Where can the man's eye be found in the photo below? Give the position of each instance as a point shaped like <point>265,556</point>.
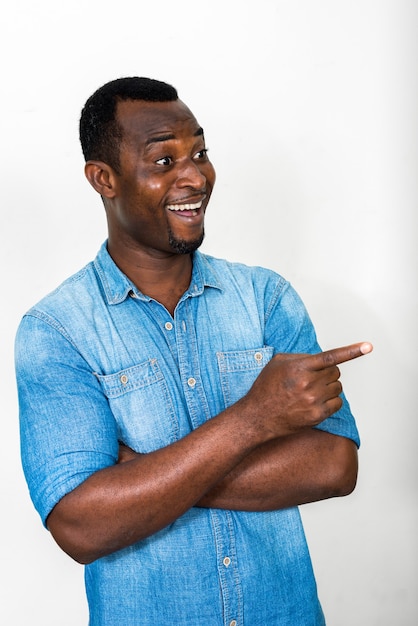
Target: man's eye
<point>202,154</point>
<point>164,161</point>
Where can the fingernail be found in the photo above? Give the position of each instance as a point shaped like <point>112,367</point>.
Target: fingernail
<point>365,348</point>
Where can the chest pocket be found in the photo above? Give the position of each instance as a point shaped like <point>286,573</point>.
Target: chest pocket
<point>142,406</point>
<point>239,369</point>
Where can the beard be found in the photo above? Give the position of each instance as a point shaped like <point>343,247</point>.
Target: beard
<point>181,246</point>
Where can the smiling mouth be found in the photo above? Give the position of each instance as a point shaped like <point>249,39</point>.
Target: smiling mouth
<point>193,207</point>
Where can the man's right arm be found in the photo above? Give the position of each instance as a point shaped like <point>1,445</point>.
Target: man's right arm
<point>122,504</point>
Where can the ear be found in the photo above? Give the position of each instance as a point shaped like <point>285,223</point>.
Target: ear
<point>101,177</point>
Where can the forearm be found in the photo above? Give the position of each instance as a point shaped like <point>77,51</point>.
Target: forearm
<point>309,466</point>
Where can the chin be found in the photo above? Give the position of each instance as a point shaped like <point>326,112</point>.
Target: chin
<point>182,246</point>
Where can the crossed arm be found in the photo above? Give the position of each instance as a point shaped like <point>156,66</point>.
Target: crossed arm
<point>260,454</point>
<point>306,467</point>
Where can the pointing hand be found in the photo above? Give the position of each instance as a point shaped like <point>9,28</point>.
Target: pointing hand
<point>296,391</point>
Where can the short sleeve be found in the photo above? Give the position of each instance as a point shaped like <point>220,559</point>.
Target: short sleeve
<point>67,429</point>
<point>289,329</point>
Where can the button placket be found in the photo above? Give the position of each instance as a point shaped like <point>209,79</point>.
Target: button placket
<point>228,570</point>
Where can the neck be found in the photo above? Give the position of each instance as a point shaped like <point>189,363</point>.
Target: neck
<point>164,278</point>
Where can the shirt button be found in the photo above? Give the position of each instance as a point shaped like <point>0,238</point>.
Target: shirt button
<point>191,382</point>
<point>233,623</point>
<point>258,356</point>
<point>227,561</point>
<point>124,379</point>
<point>168,326</point>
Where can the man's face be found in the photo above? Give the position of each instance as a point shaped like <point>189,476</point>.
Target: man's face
<point>165,180</point>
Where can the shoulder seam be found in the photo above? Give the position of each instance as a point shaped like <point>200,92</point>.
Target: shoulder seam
<point>282,285</point>
<point>51,321</point>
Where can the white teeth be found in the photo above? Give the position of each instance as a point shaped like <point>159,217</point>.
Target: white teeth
<point>184,207</point>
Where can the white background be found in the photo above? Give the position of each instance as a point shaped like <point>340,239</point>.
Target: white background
<point>309,109</point>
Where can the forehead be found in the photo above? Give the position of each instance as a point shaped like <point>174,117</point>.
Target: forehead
<point>142,121</point>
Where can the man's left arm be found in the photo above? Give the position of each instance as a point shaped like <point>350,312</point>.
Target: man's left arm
<point>306,467</point>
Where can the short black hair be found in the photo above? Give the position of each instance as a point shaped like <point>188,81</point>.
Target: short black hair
<point>100,133</point>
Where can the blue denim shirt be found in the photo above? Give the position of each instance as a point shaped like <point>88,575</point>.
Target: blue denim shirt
<point>98,362</point>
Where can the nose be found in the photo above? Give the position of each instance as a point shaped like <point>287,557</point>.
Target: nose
<point>190,175</point>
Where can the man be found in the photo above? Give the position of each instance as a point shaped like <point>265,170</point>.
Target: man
<point>176,408</point>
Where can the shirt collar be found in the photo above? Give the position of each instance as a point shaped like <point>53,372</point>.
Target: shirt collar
<point>117,286</point>
<point>203,275</point>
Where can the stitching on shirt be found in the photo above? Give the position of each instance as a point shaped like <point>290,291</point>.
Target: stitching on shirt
<point>51,321</point>
<point>281,288</point>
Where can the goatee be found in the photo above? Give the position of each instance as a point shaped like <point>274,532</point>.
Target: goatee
<point>180,246</point>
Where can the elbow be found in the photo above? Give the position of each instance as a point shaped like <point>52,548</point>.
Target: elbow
<point>72,537</point>
<point>86,538</point>
<point>81,558</point>
<point>344,468</point>
<point>72,543</point>
<point>80,554</point>
<point>346,484</point>
<point>76,549</point>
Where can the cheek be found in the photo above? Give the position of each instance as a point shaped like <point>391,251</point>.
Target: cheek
<point>210,174</point>
<point>151,192</point>
<point>152,186</point>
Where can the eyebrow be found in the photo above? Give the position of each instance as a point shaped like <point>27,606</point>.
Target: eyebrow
<point>170,136</point>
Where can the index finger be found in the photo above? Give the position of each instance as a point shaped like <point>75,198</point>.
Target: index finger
<point>340,355</point>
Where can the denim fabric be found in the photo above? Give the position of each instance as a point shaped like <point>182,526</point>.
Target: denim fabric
<point>97,362</point>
